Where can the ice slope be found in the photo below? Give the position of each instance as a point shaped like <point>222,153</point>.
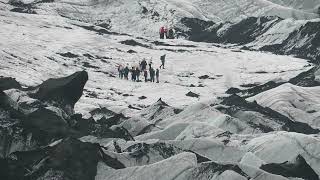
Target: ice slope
<point>299,103</point>
<point>309,5</point>
<point>183,166</point>
<point>248,152</point>
<point>148,15</point>
<point>51,38</point>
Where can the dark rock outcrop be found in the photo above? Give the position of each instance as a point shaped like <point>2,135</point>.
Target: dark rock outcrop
<point>131,51</point>
<point>306,79</point>
<point>142,97</point>
<point>68,55</point>
<point>69,159</point>
<point>46,125</point>
<point>192,94</point>
<point>204,77</point>
<point>208,170</point>
<point>101,129</point>
<point>8,83</point>
<point>198,30</point>
<point>64,92</point>
<point>302,42</point>
<point>27,10</point>
<point>254,90</point>
<point>132,42</point>
<point>247,30</point>
<point>139,150</point>
<point>298,168</point>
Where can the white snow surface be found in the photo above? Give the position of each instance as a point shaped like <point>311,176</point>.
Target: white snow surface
<point>47,35</point>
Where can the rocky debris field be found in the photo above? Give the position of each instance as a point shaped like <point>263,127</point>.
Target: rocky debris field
<point>42,137</point>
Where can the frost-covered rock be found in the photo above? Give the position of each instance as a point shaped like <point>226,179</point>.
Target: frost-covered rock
<point>299,103</point>
<point>251,160</point>
<point>280,147</point>
<point>263,118</point>
<point>172,168</point>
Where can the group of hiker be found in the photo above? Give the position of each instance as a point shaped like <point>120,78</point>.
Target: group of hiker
<point>166,33</point>
<point>146,69</point>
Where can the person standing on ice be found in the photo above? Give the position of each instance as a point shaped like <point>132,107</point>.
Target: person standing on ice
<point>133,74</point>
<point>150,64</point>
<point>152,74</point>
<point>170,34</point>
<point>166,32</point>
<point>163,59</point>
<point>145,73</point>
<point>144,64</point>
<point>126,72</point>
<point>137,74</point>
<point>162,32</point>
<point>157,75</point>
<point>120,70</point>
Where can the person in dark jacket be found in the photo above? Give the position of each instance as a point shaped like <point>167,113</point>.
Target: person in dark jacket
<point>152,74</point>
<point>119,70</point>
<point>145,73</point>
<point>157,75</point>
<point>126,72</point>
<point>163,60</point>
<point>137,74</point>
<point>144,65</point>
<point>150,64</point>
<point>133,74</point>
<point>170,34</point>
<point>122,73</point>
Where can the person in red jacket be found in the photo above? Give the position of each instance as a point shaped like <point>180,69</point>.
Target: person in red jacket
<point>162,32</point>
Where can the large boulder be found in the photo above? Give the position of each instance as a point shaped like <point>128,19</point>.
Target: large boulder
<point>36,116</point>
<point>64,92</point>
